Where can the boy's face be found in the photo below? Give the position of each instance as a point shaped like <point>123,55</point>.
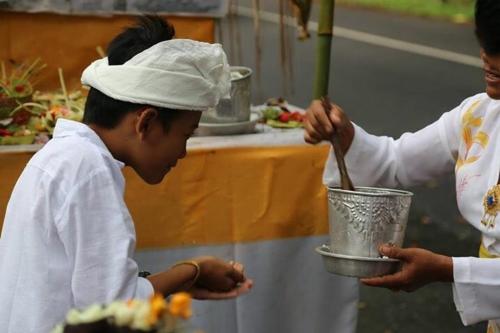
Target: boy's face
<point>159,150</point>
<point>492,74</point>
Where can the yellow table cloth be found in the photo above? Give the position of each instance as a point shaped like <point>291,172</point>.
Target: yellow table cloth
<point>217,196</point>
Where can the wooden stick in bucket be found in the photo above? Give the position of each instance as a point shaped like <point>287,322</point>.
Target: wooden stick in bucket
<point>345,181</point>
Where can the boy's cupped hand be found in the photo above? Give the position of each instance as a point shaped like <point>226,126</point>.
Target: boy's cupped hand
<point>419,267</point>
<point>220,279</point>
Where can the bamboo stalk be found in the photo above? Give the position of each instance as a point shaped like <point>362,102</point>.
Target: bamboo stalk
<point>323,48</point>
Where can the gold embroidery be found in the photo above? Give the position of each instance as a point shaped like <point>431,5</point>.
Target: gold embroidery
<point>482,139</point>
<point>468,119</point>
<point>469,122</point>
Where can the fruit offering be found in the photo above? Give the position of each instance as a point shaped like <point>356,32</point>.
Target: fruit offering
<point>278,114</point>
<point>16,87</point>
<point>33,121</point>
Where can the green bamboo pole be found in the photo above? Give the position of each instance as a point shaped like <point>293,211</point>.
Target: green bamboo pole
<point>323,48</point>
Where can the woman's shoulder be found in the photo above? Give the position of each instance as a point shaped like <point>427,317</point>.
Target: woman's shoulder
<point>469,108</point>
<point>474,103</point>
<point>470,100</point>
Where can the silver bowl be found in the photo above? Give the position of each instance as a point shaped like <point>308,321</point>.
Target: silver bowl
<point>362,220</point>
<point>237,108</point>
<point>360,267</point>
<point>209,129</point>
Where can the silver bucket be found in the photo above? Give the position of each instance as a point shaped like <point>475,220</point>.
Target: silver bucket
<point>237,108</point>
<point>362,220</point>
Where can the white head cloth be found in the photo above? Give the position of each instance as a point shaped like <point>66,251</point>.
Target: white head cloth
<point>178,74</point>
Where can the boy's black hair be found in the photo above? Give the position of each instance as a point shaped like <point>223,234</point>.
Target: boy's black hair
<point>488,25</point>
<point>107,112</point>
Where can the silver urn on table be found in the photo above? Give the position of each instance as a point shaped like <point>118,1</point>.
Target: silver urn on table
<point>237,108</point>
<point>360,221</point>
<point>232,115</point>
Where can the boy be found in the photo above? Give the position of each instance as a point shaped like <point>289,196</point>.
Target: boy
<point>466,141</point>
<point>68,238</point>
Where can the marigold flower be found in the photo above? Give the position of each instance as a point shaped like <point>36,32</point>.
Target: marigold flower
<point>180,305</point>
<point>158,307</point>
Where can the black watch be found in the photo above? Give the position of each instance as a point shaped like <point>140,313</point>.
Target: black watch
<point>144,274</point>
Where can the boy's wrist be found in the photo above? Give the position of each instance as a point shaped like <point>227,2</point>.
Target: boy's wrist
<point>197,271</point>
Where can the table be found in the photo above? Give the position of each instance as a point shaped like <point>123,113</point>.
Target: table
<point>254,198</point>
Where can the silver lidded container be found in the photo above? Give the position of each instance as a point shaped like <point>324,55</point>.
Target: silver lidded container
<point>237,108</point>
<point>362,220</point>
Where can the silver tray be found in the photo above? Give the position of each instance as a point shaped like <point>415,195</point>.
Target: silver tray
<point>244,127</point>
<point>361,267</point>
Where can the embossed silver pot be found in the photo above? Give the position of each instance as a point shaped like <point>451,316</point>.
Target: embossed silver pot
<point>360,221</point>
<point>237,108</point>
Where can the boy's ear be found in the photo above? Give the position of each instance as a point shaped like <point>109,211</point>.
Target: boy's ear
<point>144,121</point>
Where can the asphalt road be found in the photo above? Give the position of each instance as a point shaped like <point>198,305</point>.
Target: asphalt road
<point>387,91</point>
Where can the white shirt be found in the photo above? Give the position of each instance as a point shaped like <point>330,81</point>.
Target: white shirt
<point>68,238</point>
<point>466,141</point>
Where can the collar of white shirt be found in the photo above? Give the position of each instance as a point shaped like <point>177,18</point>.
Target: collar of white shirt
<point>70,128</point>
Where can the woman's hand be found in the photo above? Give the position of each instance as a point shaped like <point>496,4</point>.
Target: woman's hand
<point>419,267</point>
<point>319,126</point>
<point>219,279</point>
